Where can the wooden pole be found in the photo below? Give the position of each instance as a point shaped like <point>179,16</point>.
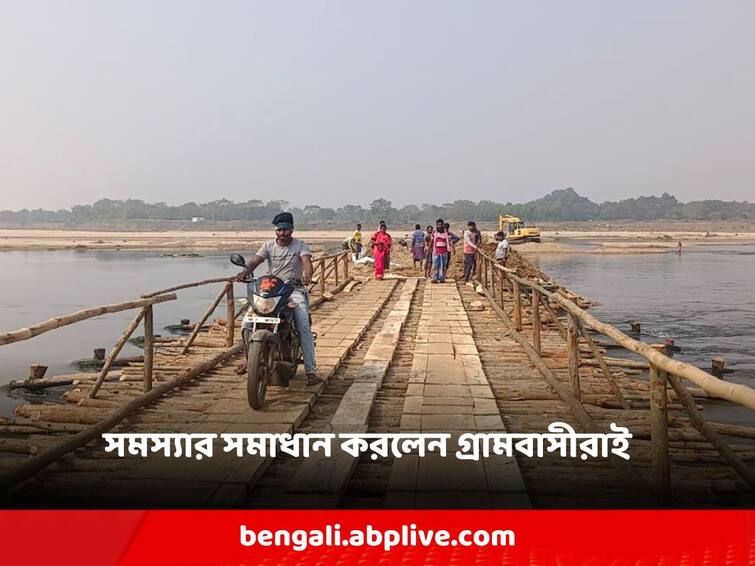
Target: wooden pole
<point>726,453</point>
<point>572,348</point>
<point>230,322</point>
<point>37,371</point>
<point>335,266</point>
<point>517,306</point>
<point>492,281</point>
<point>149,346</point>
<point>501,287</point>
<point>60,321</point>
<point>116,350</point>
<point>536,321</point>
<point>322,276</point>
<point>600,360</point>
<point>346,260</point>
<point>204,318</point>
<point>556,320</point>
<point>188,285</point>
<point>659,434</point>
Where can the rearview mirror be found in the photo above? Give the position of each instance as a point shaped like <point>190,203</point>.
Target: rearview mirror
<point>239,260</point>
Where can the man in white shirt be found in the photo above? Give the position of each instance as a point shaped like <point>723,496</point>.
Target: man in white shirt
<point>502,250</point>
<point>290,259</point>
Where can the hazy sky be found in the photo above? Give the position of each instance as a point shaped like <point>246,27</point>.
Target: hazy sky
<point>344,101</point>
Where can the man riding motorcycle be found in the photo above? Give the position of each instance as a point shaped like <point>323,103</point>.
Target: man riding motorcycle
<point>289,258</point>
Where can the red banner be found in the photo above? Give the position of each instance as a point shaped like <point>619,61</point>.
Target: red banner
<point>384,537</point>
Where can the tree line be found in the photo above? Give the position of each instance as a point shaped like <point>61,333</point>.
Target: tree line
<point>559,205</point>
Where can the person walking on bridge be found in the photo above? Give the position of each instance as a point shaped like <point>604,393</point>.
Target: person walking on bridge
<point>441,244</point>
<point>428,251</point>
<point>381,249</point>
<point>418,246</point>
<point>502,249</point>
<point>357,238</point>
<point>472,240</point>
<point>290,259</point>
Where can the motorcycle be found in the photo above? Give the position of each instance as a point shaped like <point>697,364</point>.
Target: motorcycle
<point>271,341</point>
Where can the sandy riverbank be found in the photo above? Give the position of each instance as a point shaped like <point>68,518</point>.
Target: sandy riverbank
<point>631,242</point>
<point>572,241</point>
<point>62,239</point>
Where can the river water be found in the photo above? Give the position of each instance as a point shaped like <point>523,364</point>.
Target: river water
<point>704,299</point>
<point>37,285</point>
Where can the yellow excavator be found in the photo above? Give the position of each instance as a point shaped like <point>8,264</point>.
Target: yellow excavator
<point>518,232</point>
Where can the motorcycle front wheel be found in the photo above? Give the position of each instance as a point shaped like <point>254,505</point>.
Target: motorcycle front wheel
<point>260,366</point>
<point>295,353</point>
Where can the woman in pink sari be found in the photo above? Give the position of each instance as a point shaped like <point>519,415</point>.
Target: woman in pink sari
<point>381,247</point>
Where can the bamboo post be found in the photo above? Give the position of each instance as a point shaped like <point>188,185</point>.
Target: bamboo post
<point>116,350</point>
<point>493,276</point>
<point>659,434</point>
<point>556,320</point>
<point>335,266</point>
<point>501,287</point>
<point>517,307</point>
<point>321,263</point>
<point>204,318</point>
<point>572,348</point>
<point>149,346</point>
<point>346,265</point>
<point>230,322</point>
<point>37,371</point>
<point>536,321</point>
<point>242,309</point>
<point>601,361</point>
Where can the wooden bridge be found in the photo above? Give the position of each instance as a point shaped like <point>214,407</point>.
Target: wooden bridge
<point>515,352</point>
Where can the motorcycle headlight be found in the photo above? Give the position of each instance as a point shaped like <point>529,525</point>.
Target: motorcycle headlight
<point>265,306</point>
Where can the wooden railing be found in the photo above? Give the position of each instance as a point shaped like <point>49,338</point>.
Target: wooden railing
<point>145,306</point>
<point>326,269</point>
<point>664,371</point>
<point>328,266</point>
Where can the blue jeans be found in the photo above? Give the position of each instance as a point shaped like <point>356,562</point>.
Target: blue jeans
<point>440,262</point>
<point>301,316</point>
<point>469,261</point>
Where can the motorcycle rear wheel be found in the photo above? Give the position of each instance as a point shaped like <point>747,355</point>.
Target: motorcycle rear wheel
<point>260,366</point>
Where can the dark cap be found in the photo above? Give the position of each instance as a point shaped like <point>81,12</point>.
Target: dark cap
<point>284,220</point>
